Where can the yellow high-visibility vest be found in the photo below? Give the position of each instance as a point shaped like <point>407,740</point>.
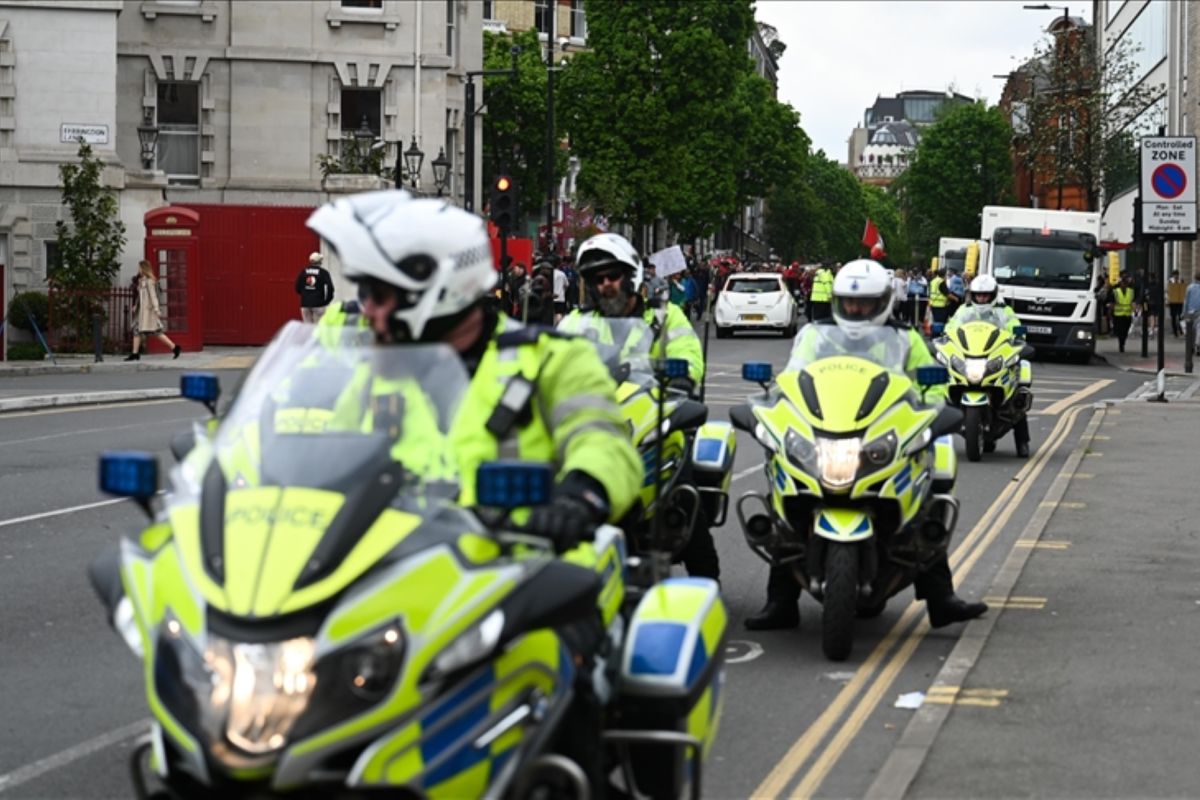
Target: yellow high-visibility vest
<point>937,293</point>
<point>1123,305</point>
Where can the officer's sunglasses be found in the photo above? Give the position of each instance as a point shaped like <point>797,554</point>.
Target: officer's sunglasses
<point>606,276</point>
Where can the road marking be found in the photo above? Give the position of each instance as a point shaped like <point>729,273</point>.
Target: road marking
<point>957,696</point>
<point>1093,454</point>
<point>1067,402</point>
<point>12,780</point>
<point>131,404</point>
<point>1100,438</point>
<point>752,651</point>
<point>1043,545</point>
<point>1085,475</point>
<point>97,430</point>
<point>737,476</point>
<point>1064,504</point>
<point>1017,603</point>
<point>799,753</point>
<point>59,512</point>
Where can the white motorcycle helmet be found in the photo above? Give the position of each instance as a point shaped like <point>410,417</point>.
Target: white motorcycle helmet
<point>862,297</point>
<point>436,255</point>
<point>605,250</point>
<point>983,292</point>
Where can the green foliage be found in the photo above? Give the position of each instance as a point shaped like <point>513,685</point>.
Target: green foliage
<point>357,158</point>
<point>962,164</point>
<point>514,126</point>
<point>24,304</point>
<point>882,208</point>
<point>820,214</point>
<point>89,248</point>
<point>25,351</point>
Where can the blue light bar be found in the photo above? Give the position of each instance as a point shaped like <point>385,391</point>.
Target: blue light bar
<point>932,375</point>
<point>129,473</point>
<point>513,484</point>
<point>676,368</point>
<point>938,328</point>
<point>757,371</point>
<point>203,387</point>
<point>1020,331</point>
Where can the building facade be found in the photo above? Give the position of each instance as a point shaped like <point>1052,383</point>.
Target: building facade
<point>880,148</point>
<point>253,103</point>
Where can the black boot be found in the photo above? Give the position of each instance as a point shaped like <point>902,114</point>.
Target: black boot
<point>781,611</point>
<point>951,609</point>
<point>133,357</point>
<point>1021,435</point>
<point>176,351</point>
<point>699,555</point>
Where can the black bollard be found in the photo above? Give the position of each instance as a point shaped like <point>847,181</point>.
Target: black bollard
<point>97,338</point>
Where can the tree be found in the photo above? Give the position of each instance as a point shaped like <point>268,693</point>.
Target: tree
<point>1080,114</point>
<point>90,247</point>
<point>962,164</point>
<point>882,208</point>
<point>819,215</point>
<point>654,113</point>
<point>514,125</point>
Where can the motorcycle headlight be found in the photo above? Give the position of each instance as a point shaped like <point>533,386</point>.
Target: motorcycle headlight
<point>958,365</point>
<point>976,370</point>
<point>477,643</point>
<point>880,451</point>
<point>800,451</point>
<point>260,689</point>
<point>838,461</point>
<point>995,365</point>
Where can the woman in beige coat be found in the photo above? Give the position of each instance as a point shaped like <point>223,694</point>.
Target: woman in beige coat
<point>147,313</point>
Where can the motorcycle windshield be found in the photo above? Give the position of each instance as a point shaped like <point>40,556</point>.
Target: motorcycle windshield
<point>323,407</point>
<point>884,345</point>
<point>976,314</point>
<point>623,343</point>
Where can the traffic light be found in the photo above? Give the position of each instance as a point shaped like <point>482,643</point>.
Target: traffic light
<point>503,203</point>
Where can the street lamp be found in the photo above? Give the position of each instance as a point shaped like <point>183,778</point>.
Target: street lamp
<point>441,171</point>
<point>362,139</point>
<point>148,137</point>
<point>412,161</point>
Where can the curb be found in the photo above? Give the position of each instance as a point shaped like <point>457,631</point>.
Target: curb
<point>84,399</point>
<point>901,768</point>
<point>89,367</point>
<point>1144,371</point>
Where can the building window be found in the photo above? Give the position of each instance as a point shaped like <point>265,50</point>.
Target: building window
<point>451,20</point>
<point>52,262</point>
<point>360,107</point>
<point>179,131</point>
<point>578,20</point>
<point>541,15</point>
<point>489,9</point>
<point>363,5</point>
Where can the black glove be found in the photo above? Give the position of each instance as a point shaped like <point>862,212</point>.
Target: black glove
<point>579,506</point>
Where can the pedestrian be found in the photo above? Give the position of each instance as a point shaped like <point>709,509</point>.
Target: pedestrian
<point>918,295</point>
<point>1103,301</point>
<point>1123,310</point>
<point>514,282</point>
<point>956,291</point>
<point>147,313</point>
<point>1176,290</point>
<point>822,294</point>
<point>315,289</point>
<point>560,293</point>
<point>900,295</point>
<point>701,278</point>
<point>939,298</point>
<point>1191,307</point>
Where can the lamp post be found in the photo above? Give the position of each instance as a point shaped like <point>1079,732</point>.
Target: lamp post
<point>362,144</point>
<point>441,171</point>
<point>1060,46</point>
<point>148,138</point>
<point>413,157</point>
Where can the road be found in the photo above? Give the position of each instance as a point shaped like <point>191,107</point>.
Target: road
<point>793,722</point>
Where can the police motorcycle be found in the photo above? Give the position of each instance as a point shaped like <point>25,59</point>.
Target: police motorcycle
<point>861,474</point>
<point>990,377</point>
<point>669,429</point>
<point>315,617</point>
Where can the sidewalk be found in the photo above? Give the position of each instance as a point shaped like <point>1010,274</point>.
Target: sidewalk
<point>207,359</point>
<point>1081,680</point>
<point>1131,360</point>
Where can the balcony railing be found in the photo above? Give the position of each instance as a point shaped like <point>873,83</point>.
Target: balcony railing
<point>884,170</point>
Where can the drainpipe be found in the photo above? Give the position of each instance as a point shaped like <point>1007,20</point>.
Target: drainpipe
<point>418,33</point>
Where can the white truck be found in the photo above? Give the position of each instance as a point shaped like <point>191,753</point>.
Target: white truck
<point>1047,264</point>
<point>961,255</point>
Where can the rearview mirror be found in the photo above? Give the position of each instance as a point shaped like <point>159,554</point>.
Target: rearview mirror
<point>742,418</point>
<point>932,375</point>
<point>513,484</point>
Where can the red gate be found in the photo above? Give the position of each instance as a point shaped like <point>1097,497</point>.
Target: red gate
<point>172,247</point>
<point>251,256</point>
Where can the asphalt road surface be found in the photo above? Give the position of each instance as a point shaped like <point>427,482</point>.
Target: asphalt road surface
<point>794,723</point>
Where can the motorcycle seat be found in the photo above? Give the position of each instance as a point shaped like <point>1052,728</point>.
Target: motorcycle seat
<point>688,415</point>
<point>948,420</point>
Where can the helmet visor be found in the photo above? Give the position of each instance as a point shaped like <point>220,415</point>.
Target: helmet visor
<point>858,309</point>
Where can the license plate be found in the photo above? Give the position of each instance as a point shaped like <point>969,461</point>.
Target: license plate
<point>1039,329</point>
<point>753,317</point>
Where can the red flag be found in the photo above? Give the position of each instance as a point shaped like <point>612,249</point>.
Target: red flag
<point>874,240</point>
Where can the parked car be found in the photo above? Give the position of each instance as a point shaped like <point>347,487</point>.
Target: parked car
<point>758,301</point>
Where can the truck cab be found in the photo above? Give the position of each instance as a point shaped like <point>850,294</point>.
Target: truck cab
<point>1047,267</point>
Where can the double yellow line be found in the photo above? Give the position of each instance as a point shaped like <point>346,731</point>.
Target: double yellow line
<point>872,680</point>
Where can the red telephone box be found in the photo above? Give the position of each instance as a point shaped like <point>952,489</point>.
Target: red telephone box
<point>173,248</point>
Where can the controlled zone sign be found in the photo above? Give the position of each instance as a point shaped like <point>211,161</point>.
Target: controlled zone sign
<point>1168,178</point>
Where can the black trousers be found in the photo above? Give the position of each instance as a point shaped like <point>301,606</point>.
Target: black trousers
<point>1121,328</point>
<point>1176,313</point>
<point>699,555</point>
<point>819,311</point>
<point>933,583</point>
<point>941,314</point>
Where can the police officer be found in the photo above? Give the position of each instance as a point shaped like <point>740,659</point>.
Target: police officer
<point>424,272</point>
<point>862,303</point>
<point>822,293</point>
<point>612,272</point>
<point>1123,310</point>
<point>939,298</point>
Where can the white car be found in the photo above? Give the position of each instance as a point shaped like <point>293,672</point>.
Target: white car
<point>753,301</point>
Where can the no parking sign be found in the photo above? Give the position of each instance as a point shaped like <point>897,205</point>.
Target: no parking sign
<point>1168,166</point>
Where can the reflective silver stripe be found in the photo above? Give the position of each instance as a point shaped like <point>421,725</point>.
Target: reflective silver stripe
<point>591,425</point>
<point>509,448</point>
<point>594,402</point>
<point>679,332</point>
<point>506,354</point>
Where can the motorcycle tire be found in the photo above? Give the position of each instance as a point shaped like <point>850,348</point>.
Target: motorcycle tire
<point>839,600</point>
<point>973,432</point>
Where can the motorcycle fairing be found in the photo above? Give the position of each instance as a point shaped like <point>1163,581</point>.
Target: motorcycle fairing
<point>843,524</point>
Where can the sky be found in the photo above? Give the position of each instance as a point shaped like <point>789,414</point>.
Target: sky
<point>841,54</point>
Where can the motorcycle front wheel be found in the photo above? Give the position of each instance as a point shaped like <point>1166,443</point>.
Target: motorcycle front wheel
<point>840,600</point>
<point>974,432</point>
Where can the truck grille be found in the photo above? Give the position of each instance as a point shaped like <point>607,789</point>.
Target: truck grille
<point>1043,309</point>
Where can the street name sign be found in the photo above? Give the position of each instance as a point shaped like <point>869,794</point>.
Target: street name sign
<point>74,131</point>
<point>1168,178</point>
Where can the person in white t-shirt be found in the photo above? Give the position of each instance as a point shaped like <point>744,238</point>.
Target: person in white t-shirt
<point>560,294</point>
<point>900,295</point>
